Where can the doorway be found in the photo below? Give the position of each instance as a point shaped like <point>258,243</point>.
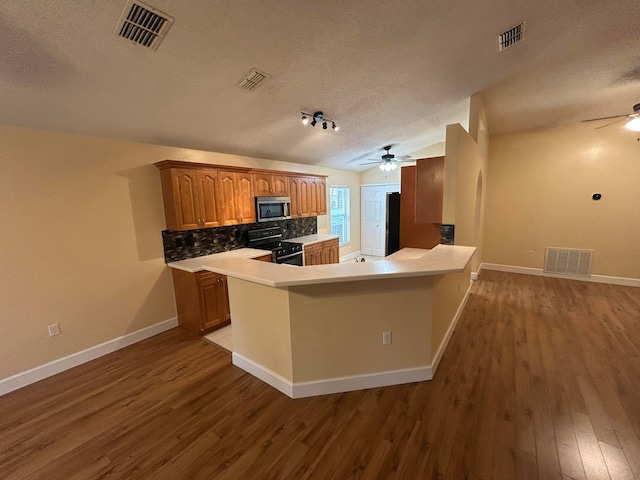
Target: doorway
<point>373,214</point>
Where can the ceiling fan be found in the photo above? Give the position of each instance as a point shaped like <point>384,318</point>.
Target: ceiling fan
<point>388,160</point>
<point>632,124</point>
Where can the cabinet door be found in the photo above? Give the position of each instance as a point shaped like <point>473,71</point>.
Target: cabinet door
<point>214,301</point>
<point>185,199</point>
<point>429,190</point>
<point>321,186</point>
<point>280,185</point>
<point>313,254</point>
<point>294,194</point>
<point>313,197</point>
<point>330,251</point>
<point>227,212</point>
<point>262,184</point>
<point>244,197</point>
<point>303,197</point>
<point>208,193</point>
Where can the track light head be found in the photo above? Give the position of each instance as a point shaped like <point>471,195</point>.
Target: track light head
<point>324,125</point>
<point>313,122</point>
<point>334,126</point>
<point>305,119</point>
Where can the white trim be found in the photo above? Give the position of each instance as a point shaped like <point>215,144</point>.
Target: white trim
<point>350,256</point>
<point>267,376</point>
<point>331,385</point>
<point>54,367</point>
<point>625,281</point>
<point>361,382</point>
<point>452,327</point>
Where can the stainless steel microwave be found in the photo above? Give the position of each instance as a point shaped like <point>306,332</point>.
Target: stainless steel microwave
<point>273,208</point>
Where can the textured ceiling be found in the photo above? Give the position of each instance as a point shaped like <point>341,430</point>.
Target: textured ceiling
<point>387,72</point>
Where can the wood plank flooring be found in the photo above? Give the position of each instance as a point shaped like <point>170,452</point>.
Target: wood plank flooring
<point>541,380</point>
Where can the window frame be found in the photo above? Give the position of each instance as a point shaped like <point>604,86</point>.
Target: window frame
<point>346,215</point>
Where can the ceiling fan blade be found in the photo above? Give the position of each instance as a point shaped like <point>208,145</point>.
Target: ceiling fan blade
<point>371,163</point>
<point>605,118</point>
<point>403,157</point>
<point>608,124</point>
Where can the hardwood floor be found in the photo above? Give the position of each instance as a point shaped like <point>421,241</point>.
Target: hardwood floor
<point>541,379</point>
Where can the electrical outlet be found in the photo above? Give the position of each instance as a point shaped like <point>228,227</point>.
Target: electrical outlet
<point>386,338</point>
<point>54,329</point>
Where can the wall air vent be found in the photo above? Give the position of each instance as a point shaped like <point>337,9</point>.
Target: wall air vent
<point>568,261</point>
<point>143,24</point>
<point>511,36</point>
<point>253,79</point>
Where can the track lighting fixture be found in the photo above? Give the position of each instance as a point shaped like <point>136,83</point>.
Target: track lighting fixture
<point>319,117</point>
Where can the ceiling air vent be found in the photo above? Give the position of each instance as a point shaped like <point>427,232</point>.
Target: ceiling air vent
<point>143,24</point>
<point>511,36</point>
<point>253,79</point>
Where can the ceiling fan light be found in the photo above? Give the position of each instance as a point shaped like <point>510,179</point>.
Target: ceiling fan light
<point>393,166</point>
<point>381,166</point>
<point>633,124</point>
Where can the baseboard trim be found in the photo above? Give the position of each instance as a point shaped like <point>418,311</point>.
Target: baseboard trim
<point>267,376</point>
<point>54,367</point>
<point>331,385</point>
<point>624,281</point>
<point>361,382</point>
<point>452,327</point>
<point>350,256</point>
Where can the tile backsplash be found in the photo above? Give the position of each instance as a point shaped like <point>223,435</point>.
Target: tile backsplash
<point>183,244</point>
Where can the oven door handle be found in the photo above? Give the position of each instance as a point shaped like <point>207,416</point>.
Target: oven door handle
<point>289,256</point>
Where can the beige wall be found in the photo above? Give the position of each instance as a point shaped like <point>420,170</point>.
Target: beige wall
<point>448,292</point>
<point>539,195</point>
<point>336,329</point>
<point>80,243</point>
<point>464,191</point>
<point>264,338</point>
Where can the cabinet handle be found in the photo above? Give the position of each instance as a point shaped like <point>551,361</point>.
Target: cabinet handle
<point>239,218</point>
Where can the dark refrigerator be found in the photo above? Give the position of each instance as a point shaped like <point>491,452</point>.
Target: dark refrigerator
<point>392,237</point>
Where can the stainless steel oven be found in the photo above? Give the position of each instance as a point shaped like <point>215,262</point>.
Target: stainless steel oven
<point>270,238</point>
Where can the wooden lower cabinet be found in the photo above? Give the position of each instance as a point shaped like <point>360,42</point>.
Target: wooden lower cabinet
<point>265,258</point>
<point>202,300</point>
<point>322,253</point>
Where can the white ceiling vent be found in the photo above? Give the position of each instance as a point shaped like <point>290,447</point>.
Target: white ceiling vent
<point>511,36</point>
<point>253,79</point>
<point>143,24</point>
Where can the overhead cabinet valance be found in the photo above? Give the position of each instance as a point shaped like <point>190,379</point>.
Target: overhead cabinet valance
<point>199,195</point>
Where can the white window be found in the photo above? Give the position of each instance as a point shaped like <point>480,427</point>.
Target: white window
<point>340,208</point>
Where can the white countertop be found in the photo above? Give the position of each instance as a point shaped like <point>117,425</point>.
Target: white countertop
<point>408,262</point>
<point>194,265</point>
<point>311,239</point>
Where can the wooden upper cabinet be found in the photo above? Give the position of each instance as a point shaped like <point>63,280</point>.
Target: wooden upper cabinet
<point>208,197</point>
<point>429,189</point>
<point>321,185</point>
<point>185,199</point>
<point>294,194</point>
<point>245,199</point>
<point>198,195</point>
<point>267,184</point>
<point>236,197</point>
<point>189,198</point>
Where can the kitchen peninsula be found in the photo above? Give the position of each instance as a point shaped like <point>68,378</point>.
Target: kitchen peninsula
<point>319,329</point>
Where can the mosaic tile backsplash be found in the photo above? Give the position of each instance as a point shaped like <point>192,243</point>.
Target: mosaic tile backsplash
<point>180,245</point>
